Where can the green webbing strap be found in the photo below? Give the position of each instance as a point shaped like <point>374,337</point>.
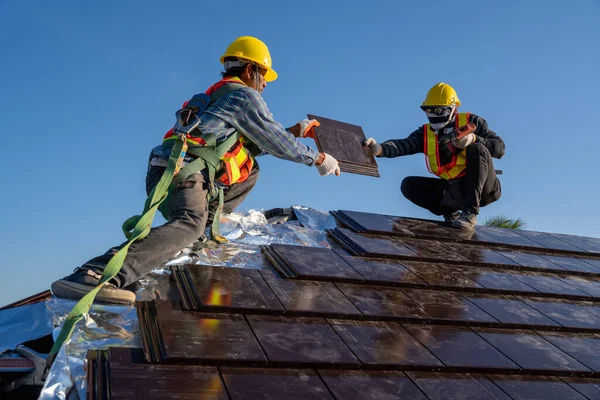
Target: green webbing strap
<point>138,228</point>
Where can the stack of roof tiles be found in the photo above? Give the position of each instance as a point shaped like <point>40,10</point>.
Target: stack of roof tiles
<point>398,308</point>
<point>344,142</point>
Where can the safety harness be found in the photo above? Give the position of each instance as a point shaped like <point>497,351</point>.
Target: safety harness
<point>185,138</point>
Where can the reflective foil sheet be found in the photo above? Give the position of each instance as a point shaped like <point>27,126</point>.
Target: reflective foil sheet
<point>117,326</point>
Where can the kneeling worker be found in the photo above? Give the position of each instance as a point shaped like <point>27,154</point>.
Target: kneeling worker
<point>458,149</point>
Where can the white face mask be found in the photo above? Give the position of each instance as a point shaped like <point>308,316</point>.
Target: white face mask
<point>441,120</point>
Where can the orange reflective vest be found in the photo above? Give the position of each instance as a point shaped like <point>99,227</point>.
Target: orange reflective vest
<point>456,167</point>
<point>237,161</point>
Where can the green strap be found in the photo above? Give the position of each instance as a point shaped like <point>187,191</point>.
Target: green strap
<point>214,229</point>
<point>136,228</point>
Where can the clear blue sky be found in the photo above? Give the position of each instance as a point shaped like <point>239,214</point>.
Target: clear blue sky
<point>86,90</point>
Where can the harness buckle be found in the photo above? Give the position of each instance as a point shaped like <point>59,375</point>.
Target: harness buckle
<point>187,121</point>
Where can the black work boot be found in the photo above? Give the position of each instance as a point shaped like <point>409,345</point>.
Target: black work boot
<point>81,282</point>
<point>467,220</point>
<point>450,218</point>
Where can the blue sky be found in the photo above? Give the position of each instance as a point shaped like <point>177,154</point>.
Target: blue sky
<point>87,90</point>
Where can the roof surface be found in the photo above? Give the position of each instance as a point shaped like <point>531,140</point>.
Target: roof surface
<point>398,308</point>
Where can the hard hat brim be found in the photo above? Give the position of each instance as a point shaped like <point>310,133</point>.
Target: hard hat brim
<point>271,75</point>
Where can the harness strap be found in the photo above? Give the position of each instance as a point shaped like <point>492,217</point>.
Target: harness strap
<point>135,228</point>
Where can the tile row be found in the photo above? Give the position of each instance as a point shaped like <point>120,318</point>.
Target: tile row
<point>118,373</point>
<point>323,264</point>
<point>174,336</point>
<point>420,228</point>
<point>379,246</point>
<point>222,289</point>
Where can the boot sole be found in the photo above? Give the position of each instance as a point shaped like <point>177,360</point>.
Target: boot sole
<point>75,291</point>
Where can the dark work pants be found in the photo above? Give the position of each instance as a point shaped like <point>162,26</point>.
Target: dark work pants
<point>189,215</point>
<point>479,187</point>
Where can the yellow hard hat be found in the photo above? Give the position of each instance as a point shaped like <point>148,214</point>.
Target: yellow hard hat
<point>441,94</point>
<point>252,49</point>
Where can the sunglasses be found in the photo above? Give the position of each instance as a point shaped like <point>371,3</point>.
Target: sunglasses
<point>435,110</point>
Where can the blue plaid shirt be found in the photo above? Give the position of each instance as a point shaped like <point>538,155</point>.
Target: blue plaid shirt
<point>244,110</point>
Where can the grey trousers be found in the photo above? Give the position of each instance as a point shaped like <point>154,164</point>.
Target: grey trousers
<point>190,213</point>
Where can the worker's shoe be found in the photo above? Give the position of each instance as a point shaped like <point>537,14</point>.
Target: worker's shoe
<point>467,220</point>
<point>450,218</point>
<point>80,283</point>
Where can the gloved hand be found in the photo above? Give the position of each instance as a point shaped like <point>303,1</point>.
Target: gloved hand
<point>375,147</point>
<point>306,128</point>
<point>465,141</point>
<point>328,165</point>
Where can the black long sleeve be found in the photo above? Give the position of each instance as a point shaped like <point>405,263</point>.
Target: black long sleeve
<point>414,143</point>
<point>488,137</point>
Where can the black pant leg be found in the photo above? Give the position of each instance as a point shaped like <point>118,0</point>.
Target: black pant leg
<point>482,186</point>
<point>426,193</point>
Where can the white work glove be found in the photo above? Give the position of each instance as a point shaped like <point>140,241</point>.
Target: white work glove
<point>328,166</point>
<point>307,128</point>
<point>464,142</point>
<point>375,147</point>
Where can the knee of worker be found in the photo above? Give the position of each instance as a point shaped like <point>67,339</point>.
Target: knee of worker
<point>192,225</point>
<point>478,150</point>
<point>407,187</point>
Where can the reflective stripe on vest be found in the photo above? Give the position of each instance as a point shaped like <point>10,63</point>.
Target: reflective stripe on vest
<point>238,164</point>
<point>456,167</point>
<point>238,161</point>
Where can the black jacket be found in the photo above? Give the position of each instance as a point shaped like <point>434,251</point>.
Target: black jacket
<point>414,143</point>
